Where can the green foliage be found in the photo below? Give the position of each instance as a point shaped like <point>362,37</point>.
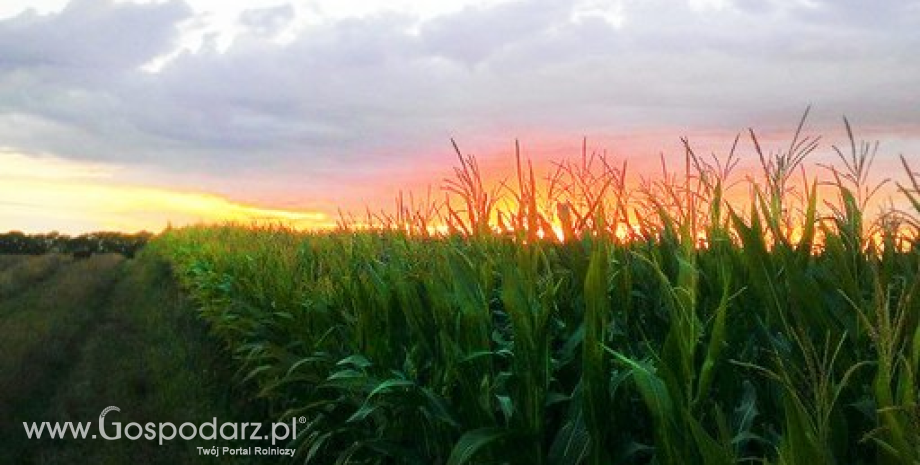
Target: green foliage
<point>686,330</point>
<point>15,242</point>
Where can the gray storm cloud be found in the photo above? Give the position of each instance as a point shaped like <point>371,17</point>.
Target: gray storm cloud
<point>382,87</point>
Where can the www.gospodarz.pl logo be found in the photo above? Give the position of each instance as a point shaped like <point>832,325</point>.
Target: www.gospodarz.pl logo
<point>168,431</point>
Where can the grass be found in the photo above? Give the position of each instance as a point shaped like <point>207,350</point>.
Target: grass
<point>19,272</point>
<point>580,321</point>
<point>81,335</point>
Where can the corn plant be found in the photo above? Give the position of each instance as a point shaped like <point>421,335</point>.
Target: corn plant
<point>572,319</point>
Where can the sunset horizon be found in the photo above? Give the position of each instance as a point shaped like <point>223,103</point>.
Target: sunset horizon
<point>134,115</point>
<point>44,193</point>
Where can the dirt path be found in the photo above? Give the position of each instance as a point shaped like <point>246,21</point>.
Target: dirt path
<point>106,331</point>
<point>42,327</point>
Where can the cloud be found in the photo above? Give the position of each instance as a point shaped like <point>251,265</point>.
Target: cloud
<point>267,21</point>
<point>22,166</point>
<point>477,34</point>
<point>381,92</point>
<point>90,36</point>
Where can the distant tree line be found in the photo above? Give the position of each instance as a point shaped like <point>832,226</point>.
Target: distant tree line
<point>84,245</point>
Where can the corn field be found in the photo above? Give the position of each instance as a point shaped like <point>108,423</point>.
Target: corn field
<point>582,319</point>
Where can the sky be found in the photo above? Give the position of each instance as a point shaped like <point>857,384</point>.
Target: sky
<point>131,115</point>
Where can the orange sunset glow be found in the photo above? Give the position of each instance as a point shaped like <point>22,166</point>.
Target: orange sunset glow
<point>294,111</point>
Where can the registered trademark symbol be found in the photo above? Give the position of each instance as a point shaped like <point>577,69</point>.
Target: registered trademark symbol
<point>302,420</point>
